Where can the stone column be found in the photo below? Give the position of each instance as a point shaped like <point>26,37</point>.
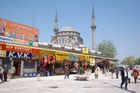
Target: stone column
<point>22,68</point>
<point>12,62</point>
<point>35,66</point>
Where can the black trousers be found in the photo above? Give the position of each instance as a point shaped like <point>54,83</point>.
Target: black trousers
<point>135,79</point>
<point>5,76</point>
<point>124,80</point>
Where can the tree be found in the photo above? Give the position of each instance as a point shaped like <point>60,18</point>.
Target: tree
<point>137,62</point>
<point>130,60</point>
<point>107,48</point>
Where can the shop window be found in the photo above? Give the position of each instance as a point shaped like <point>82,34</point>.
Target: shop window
<point>29,65</point>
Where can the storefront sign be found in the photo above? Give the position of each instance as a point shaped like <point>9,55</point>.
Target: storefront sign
<point>92,62</point>
<point>18,48</point>
<point>73,57</point>
<point>18,55</point>
<point>85,50</point>
<point>83,57</point>
<point>62,55</point>
<point>20,41</point>
<point>2,46</point>
<point>17,41</point>
<point>44,53</point>
<point>6,39</point>
<point>2,53</point>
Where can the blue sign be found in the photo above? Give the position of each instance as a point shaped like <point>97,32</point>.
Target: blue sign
<point>18,55</point>
<point>73,57</point>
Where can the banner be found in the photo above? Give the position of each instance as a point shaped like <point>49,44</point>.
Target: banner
<point>84,57</point>
<point>61,56</point>
<point>18,48</point>
<point>17,30</point>
<point>6,39</point>
<point>44,53</point>
<point>17,41</point>
<point>2,46</point>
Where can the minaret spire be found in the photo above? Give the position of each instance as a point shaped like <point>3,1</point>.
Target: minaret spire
<point>93,27</point>
<point>56,24</point>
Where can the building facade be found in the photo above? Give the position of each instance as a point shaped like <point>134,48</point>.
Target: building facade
<point>67,37</point>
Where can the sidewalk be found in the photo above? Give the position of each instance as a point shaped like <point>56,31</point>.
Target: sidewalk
<point>55,84</point>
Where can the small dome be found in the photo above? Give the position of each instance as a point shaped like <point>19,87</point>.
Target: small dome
<point>67,28</point>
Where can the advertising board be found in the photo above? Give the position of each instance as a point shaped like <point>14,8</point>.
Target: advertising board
<point>17,30</point>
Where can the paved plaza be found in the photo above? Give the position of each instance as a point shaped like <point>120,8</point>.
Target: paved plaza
<point>57,84</point>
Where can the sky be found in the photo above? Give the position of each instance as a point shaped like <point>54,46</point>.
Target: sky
<point>116,20</point>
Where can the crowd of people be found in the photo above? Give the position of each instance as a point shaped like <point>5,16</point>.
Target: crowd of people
<point>125,72</point>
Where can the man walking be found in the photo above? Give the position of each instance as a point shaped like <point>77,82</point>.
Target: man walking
<point>124,76</point>
<point>5,72</point>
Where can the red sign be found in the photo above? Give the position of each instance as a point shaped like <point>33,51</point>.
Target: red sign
<point>23,49</point>
<point>19,31</point>
<point>2,46</point>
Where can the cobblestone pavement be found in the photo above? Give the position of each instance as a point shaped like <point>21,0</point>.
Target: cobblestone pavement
<point>57,84</point>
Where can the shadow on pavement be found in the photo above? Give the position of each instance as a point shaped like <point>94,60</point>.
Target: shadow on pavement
<point>131,91</point>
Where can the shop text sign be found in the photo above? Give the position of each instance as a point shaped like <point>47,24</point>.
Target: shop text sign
<point>18,48</point>
<point>18,55</point>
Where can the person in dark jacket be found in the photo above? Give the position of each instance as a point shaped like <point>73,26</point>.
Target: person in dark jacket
<point>5,72</point>
<point>124,76</point>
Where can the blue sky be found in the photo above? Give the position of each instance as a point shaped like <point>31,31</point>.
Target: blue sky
<point>116,20</point>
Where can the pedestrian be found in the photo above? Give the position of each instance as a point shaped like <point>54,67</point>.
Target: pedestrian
<point>129,74</point>
<point>124,76</point>
<point>1,73</point>
<point>112,70</point>
<point>117,72</point>
<point>13,70</point>
<point>135,74</point>
<point>97,69</point>
<point>5,72</point>
<point>81,69</point>
<point>66,70</point>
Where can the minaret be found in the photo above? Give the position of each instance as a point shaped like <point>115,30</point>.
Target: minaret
<point>93,27</point>
<point>56,24</point>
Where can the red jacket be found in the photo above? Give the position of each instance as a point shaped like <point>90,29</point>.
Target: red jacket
<point>135,73</point>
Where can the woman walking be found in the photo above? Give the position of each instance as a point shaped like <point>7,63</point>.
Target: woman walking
<point>135,74</point>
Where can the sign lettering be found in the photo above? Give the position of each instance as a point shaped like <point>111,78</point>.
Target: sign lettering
<point>18,55</point>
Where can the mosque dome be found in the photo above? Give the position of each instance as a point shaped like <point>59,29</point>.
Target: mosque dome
<point>67,28</point>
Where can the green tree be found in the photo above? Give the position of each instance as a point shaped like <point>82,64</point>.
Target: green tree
<point>107,48</point>
<point>130,60</point>
<point>137,62</point>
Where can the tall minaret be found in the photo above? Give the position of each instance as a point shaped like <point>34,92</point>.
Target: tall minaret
<point>93,27</point>
<point>56,24</point>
